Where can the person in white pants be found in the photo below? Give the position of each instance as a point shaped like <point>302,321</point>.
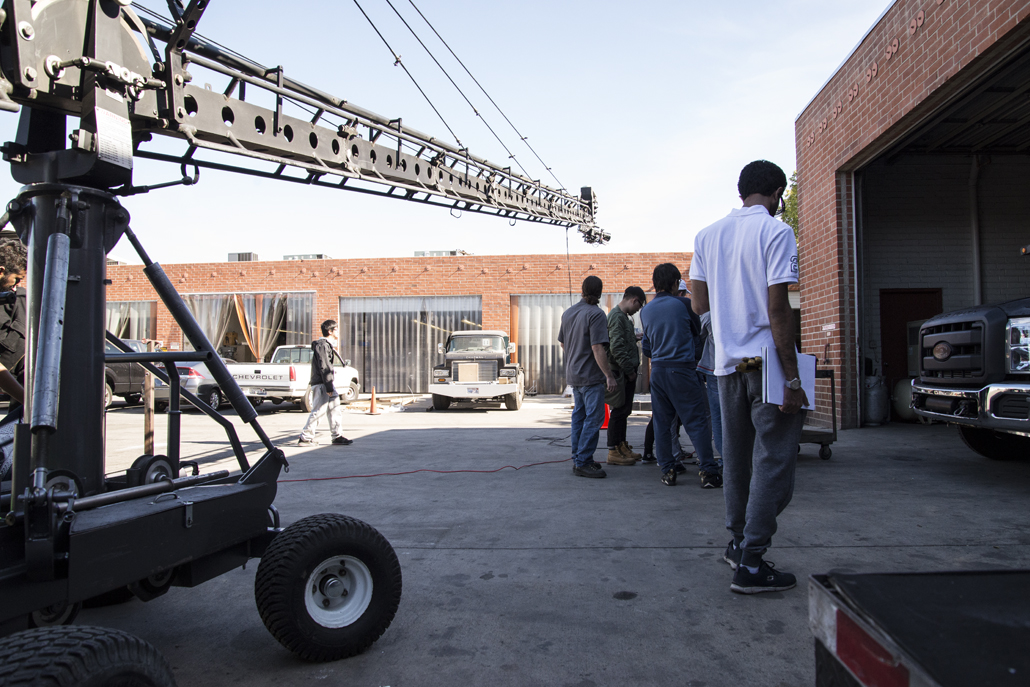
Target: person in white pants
<point>324,399</point>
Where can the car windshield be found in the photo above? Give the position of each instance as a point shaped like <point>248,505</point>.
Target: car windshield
<point>492,344</point>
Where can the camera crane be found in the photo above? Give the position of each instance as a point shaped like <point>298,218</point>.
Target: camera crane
<point>327,586</point>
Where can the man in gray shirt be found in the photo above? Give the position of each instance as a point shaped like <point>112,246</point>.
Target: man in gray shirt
<point>584,338</point>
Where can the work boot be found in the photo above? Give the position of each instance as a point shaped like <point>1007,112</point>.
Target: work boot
<point>616,457</point>
<point>626,450</point>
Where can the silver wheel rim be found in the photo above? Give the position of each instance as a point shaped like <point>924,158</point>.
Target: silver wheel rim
<point>157,470</point>
<point>213,399</point>
<point>338,592</point>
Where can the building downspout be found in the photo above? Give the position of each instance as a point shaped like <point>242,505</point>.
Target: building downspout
<point>974,223</point>
<point>845,324</point>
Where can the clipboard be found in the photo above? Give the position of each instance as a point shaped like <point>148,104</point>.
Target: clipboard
<point>773,379</point>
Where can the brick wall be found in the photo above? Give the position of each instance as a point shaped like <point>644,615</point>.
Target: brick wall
<point>494,277</point>
<point>918,55</point>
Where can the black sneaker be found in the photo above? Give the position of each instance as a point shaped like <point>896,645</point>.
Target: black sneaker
<point>648,458</point>
<point>732,555</point>
<point>343,441</point>
<point>589,470</point>
<point>710,480</point>
<point>669,478</point>
<point>767,579</point>
<point>305,442</point>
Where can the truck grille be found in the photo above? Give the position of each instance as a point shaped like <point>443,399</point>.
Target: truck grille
<point>1012,406</point>
<point>966,341</point>
<point>483,371</point>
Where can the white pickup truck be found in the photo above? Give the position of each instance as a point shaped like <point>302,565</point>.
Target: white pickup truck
<point>286,378</point>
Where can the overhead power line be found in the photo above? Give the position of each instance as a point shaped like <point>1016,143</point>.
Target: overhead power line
<point>523,138</point>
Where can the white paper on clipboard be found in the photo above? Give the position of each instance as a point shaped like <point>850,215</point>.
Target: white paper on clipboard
<point>773,379</point>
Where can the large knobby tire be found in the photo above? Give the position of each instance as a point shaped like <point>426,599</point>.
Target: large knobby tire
<point>441,402</point>
<point>81,656</point>
<point>994,445</point>
<point>328,587</point>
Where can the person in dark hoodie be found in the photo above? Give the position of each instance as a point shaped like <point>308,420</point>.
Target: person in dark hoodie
<point>670,333</point>
<point>324,399</point>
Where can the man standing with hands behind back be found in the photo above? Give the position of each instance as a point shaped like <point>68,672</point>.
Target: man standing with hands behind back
<point>584,339</point>
<point>745,261</point>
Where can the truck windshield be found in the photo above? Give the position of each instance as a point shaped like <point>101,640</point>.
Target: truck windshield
<point>292,355</point>
<point>492,344</point>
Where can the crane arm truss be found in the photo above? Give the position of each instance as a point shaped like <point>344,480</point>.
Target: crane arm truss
<point>124,101</point>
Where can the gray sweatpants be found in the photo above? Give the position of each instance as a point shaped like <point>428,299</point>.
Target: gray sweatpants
<point>760,453</point>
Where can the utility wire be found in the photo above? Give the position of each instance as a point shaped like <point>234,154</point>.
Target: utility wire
<point>397,61</point>
<point>524,138</point>
<point>511,156</point>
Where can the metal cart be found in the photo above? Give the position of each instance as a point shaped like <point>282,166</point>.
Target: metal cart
<point>821,435</point>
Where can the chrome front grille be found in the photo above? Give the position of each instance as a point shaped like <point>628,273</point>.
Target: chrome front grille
<point>482,371</point>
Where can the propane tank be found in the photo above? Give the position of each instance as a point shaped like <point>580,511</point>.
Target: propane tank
<point>875,401</point>
<point>902,404</point>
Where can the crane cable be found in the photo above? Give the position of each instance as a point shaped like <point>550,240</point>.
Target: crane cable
<point>511,156</point>
<point>523,138</point>
<point>398,62</point>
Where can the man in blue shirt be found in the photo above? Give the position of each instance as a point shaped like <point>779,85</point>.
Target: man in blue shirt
<point>675,391</point>
<point>584,339</point>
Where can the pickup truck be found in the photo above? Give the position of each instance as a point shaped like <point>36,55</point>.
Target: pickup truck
<point>124,379</point>
<point>974,373</point>
<point>286,377</point>
<point>477,367</point>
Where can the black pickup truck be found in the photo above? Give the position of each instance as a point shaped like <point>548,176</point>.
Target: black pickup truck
<point>124,379</point>
<point>974,373</point>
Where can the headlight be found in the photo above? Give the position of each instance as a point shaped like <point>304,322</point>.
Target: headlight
<point>508,372</point>
<point>441,373</point>
<point>1017,345</point>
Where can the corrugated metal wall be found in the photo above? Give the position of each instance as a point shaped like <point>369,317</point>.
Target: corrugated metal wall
<point>539,319</point>
<point>392,340</point>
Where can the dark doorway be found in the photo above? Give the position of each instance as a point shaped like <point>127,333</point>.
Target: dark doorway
<point>900,311</point>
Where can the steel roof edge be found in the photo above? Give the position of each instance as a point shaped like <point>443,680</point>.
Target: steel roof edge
<point>849,56</point>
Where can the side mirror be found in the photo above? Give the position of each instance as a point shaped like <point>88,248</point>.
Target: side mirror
<point>511,348</point>
<point>346,363</point>
<point>439,347</point>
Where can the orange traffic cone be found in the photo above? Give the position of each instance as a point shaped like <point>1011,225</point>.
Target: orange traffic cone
<point>372,410</point>
<point>607,414</point>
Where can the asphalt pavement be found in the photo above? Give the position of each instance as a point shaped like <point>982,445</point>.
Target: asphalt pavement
<point>537,577</point>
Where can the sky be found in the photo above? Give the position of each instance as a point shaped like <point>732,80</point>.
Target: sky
<point>655,104</point>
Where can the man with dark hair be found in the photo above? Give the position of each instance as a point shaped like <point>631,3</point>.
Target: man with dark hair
<point>324,398</point>
<point>624,361</point>
<point>745,261</point>
<point>675,391</point>
<point>583,336</point>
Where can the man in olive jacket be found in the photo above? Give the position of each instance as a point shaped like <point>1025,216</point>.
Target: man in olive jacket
<point>624,360</point>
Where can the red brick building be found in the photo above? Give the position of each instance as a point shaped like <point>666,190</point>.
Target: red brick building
<point>913,175</point>
<point>392,311</point>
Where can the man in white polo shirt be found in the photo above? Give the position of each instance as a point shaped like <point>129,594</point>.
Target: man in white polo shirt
<point>740,271</point>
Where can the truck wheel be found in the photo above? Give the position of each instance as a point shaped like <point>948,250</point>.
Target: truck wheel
<point>160,406</point>
<point>328,586</point>
<point>350,394</point>
<point>306,403</point>
<point>108,395</point>
<point>994,445</point>
<point>132,399</point>
<point>61,613</point>
<point>82,656</point>
<point>441,402</point>
<point>514,401</point>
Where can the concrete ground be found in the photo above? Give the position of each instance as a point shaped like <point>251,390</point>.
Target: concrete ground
<point>537,577</point>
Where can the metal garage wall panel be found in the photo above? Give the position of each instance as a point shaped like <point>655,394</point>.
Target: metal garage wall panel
<point>539,319</point>
<point>392,340</point>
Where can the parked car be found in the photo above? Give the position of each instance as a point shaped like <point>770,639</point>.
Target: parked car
<point>286,377</point>
<point>124,379</point>
<point>195,378</point>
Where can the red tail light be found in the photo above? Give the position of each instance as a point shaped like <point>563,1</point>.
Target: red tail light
<point>293,373</point>
<point>188,372</point>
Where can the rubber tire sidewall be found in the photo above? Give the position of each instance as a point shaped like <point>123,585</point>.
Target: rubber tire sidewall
<point>289,562</point>
<point>108,394</point>
<point>994,445</point>
<point>441,402</point>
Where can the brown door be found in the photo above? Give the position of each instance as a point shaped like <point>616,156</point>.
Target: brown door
<point>898,307</point>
